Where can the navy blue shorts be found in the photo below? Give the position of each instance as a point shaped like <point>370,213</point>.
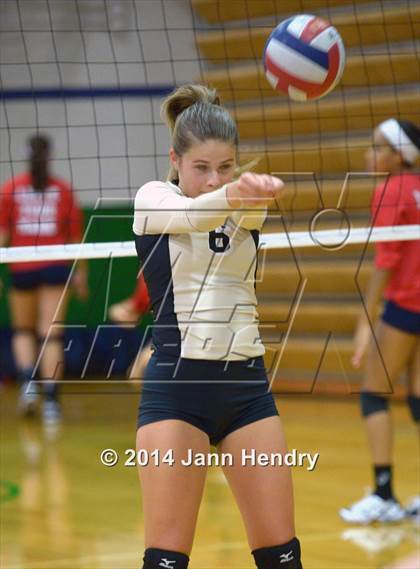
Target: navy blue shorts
<point>53,275</point>
<point>401,318</point>
<point>214,397</point>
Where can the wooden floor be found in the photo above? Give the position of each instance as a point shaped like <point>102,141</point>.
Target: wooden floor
<point>61,509</point>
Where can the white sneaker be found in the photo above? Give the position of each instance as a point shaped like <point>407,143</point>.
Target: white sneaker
<point>51,412</point>
<point>28,399</point>
<point>371,509</point>
<point>412,509</point>
<point>375,539</point>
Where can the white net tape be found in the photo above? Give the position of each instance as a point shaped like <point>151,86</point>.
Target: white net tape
<point>328,239</point>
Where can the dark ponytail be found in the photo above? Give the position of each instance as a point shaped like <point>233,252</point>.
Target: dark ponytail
<point>39,147</point>
<point>413,133</point>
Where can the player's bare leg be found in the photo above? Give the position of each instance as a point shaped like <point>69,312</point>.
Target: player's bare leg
<point>23,307</point>
<point>52,309</point>
<point>384,364</point>
<point>413,506</point>
<point>383,367</point>
<point>171,493</point>
<point>140,362</point>
<point>264,493</point>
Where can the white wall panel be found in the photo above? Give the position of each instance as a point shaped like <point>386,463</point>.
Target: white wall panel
<point>104,146</point>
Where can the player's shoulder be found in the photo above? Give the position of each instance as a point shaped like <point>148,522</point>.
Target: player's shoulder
<point>60,183</point>
<point>397,186</point>
<point>152,184</point>
<point>19,181</point>
<point>412,180</point>
<point>155,189</point>
<point>403,181</point>
<point>158,185</point>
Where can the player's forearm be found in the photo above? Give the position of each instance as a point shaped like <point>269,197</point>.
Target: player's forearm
<point>374,293</point>
<point>249,219</point>
<point>4,237</point>
<point>158,210</point>
<point>82,264</point>
<point>161,209</point>
<point>208,211</point>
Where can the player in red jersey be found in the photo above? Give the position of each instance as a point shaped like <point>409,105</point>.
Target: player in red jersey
<point>129,311</point>
<point>396,278</point>
<point>37,208</point>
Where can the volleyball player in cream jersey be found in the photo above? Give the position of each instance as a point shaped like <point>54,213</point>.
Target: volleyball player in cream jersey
<point>197,239</point>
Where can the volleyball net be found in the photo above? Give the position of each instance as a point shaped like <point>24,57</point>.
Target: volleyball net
<point>327,239</point>
<point>92,74</point>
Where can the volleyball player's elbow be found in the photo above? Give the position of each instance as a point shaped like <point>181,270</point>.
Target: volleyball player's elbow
<point>204,222</point>
<point>200,225</point>
<point>140,224</point>
<point>253,221</point>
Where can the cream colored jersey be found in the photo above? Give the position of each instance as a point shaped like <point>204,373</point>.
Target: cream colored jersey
<point>199,259</point>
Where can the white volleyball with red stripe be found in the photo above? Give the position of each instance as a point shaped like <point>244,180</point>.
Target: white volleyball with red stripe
<point>304,57</point>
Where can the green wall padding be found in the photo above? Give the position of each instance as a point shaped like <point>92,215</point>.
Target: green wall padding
<point>109,280</point>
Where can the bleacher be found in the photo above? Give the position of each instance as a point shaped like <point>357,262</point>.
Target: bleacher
<point>310,298</point>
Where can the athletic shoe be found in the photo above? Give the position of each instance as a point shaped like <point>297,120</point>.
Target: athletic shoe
<point>51,412</point>
<point>28,399</point>
<point>412,509</point>
<point>375,539</point>
<point>371,509</point>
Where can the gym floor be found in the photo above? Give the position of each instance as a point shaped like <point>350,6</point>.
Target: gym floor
<point>62,509</point>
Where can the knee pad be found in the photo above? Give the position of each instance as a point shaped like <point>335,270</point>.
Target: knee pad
<point>414,406</point>
<point>163,559</point>
<point>286,556</point>
<point>26,375</point>
<point>371,403</point>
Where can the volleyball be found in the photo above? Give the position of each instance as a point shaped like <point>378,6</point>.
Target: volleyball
<point>304,57</point>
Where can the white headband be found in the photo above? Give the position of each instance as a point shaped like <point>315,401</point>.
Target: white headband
<point>399,140</point>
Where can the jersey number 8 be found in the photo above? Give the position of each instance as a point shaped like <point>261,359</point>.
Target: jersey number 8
<point>219,242</point>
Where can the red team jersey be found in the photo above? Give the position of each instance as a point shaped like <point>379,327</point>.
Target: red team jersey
<point>32,217</point>
<point>397,202</point>
<point>140,296</point>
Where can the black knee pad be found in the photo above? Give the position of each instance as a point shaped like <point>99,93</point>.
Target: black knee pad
<point>162,559</point>
<point>286,556</point>
<point>26,375</point>
<point>414,406</point>
<point>371,403</point>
